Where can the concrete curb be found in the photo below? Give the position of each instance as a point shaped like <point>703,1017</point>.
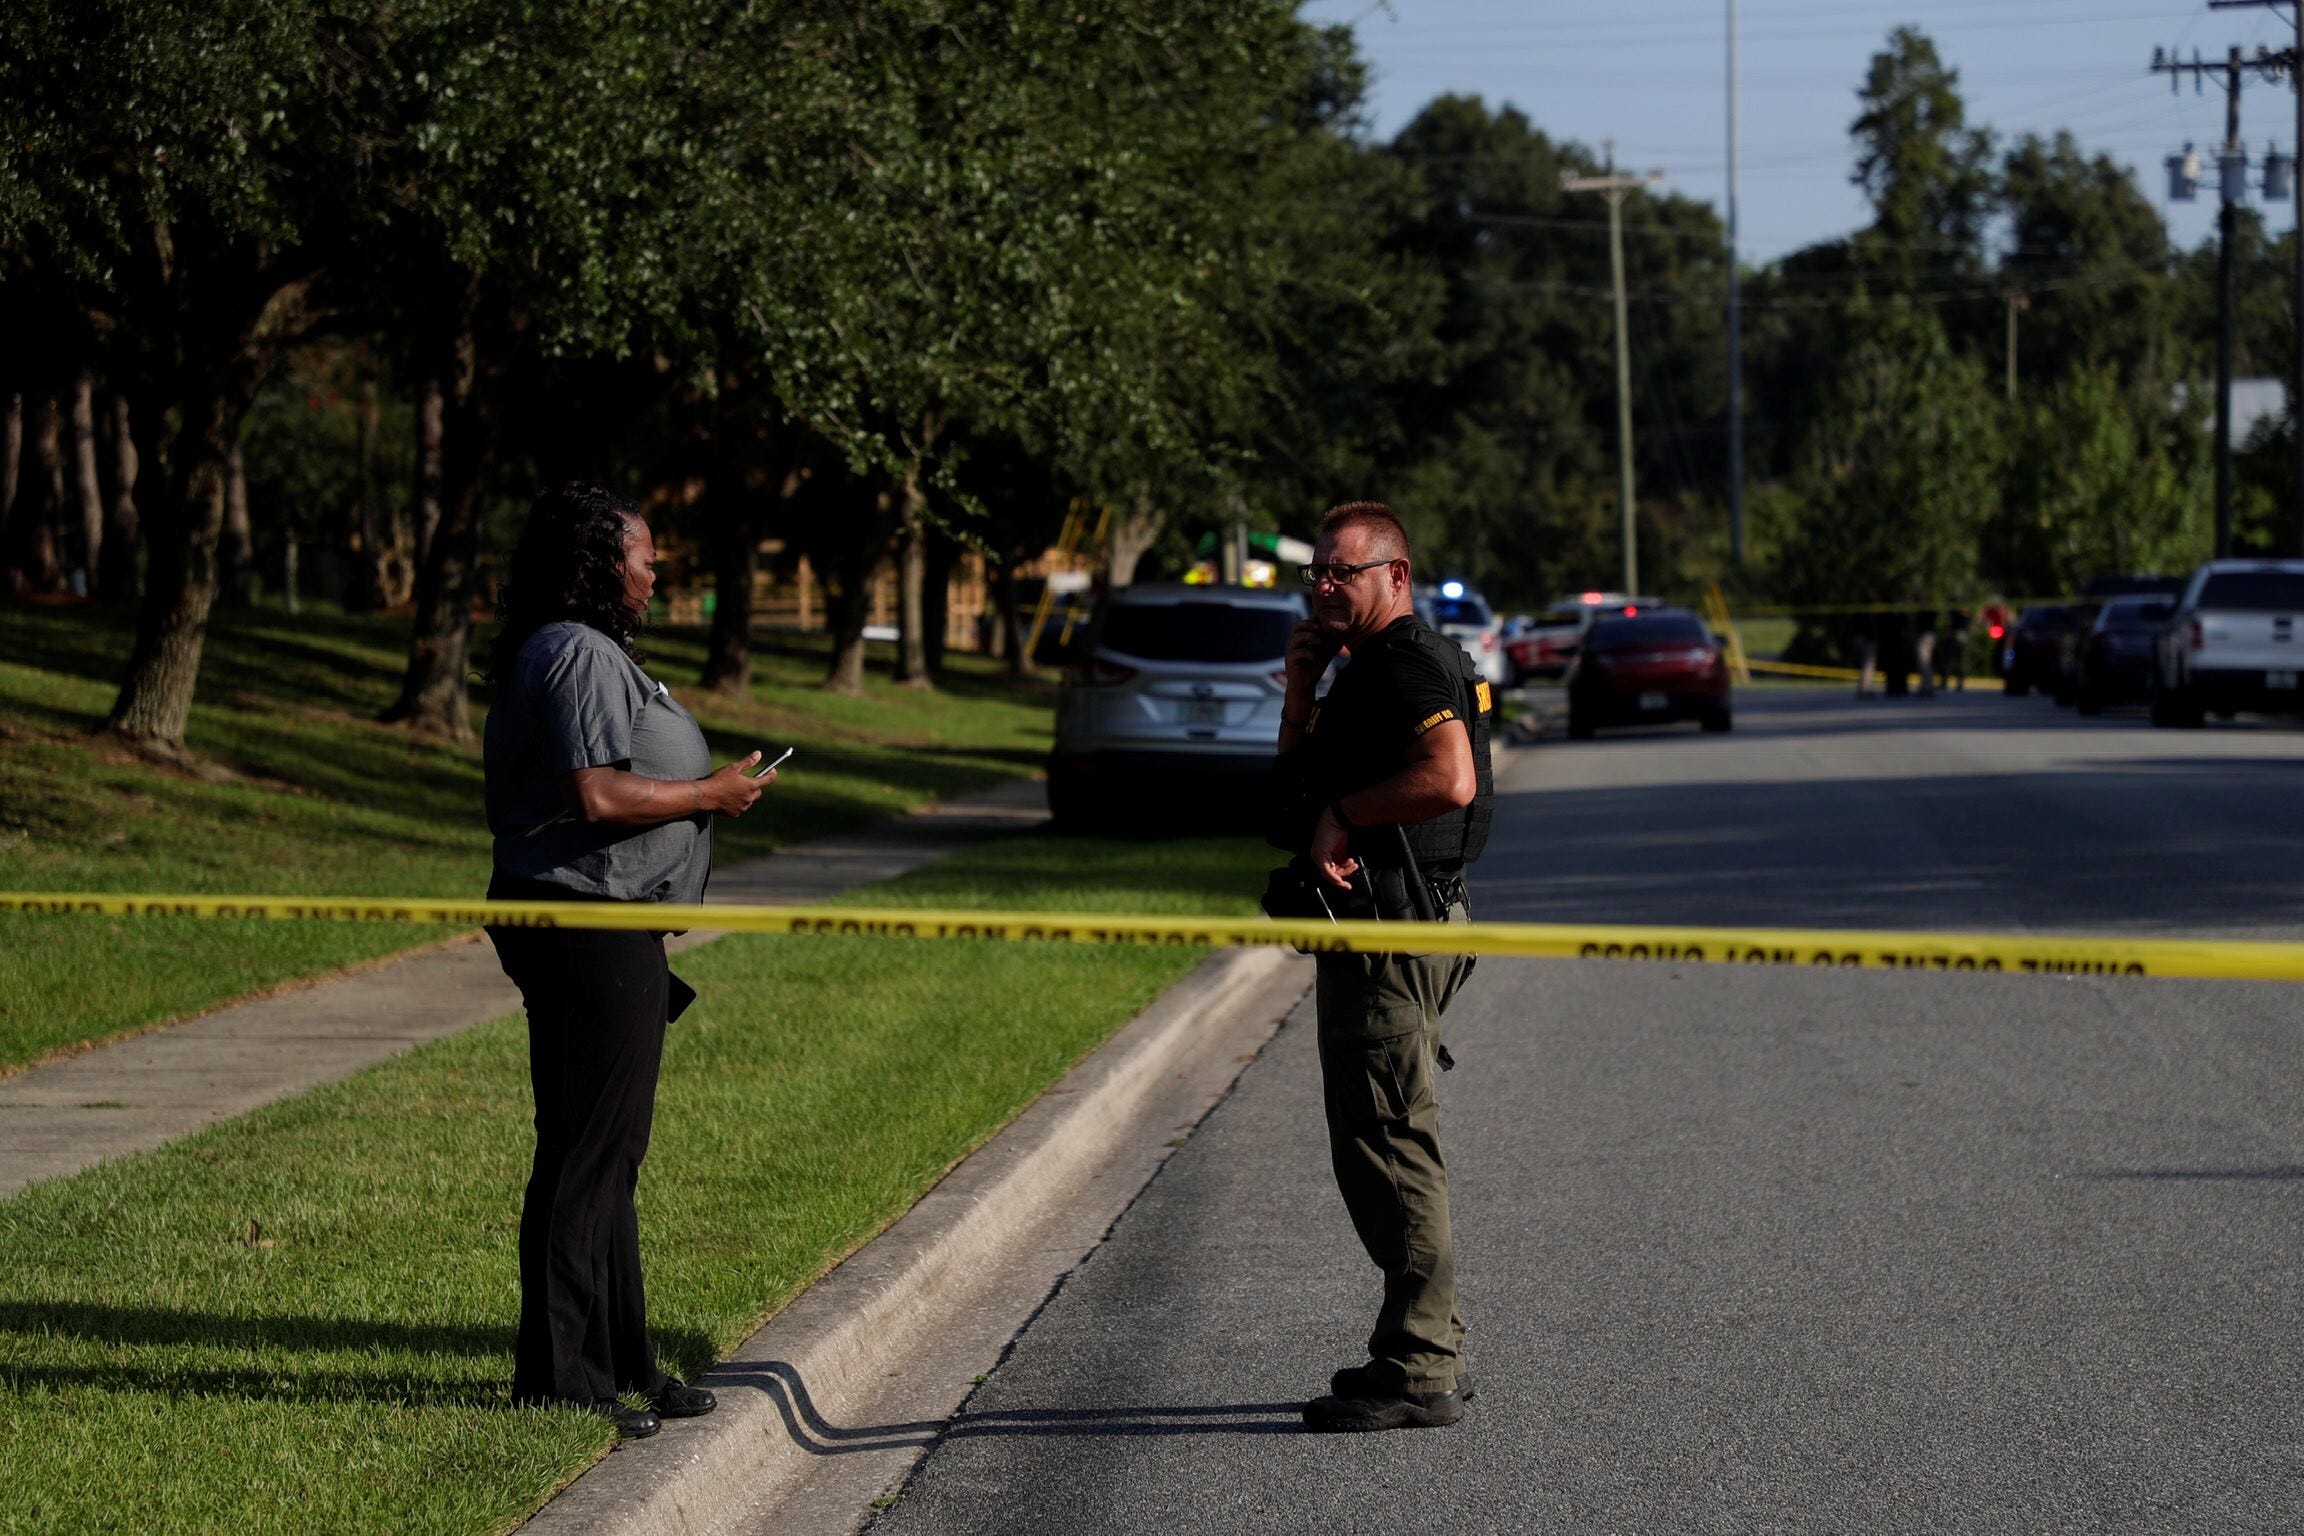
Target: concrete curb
<point>824,1357</point>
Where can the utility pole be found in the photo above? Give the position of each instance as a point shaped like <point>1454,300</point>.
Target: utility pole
<point>2289,61</point>
<point>1735,330</point>
<point>1615,188</point>
<point>2232,187</point>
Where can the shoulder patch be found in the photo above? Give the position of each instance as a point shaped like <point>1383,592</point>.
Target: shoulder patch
<point>1486,698</point>
<point>1442,718</point>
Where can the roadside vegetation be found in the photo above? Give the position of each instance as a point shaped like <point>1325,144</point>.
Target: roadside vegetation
<point>303,792</point>
<point>302,1320</point>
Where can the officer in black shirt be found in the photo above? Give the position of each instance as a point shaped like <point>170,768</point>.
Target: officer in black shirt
<point>1391,769</point>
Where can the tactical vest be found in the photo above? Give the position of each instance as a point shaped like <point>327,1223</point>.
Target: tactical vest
<point>1449,841</point>
<point>1459,836</point>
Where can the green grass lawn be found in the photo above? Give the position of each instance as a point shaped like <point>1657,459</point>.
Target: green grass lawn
<point>313,797</point>
<point>302,1320</point>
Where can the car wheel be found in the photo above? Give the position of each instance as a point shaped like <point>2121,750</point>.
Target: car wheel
<point>1074,808</point>
<point>1719,722</point>
<point>2089,704</point>
<point>1579,724</point>
<point>2171,708</point>
<point>2015,686</point>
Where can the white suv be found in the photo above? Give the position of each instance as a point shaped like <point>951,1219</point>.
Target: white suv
<point>1174,704</point>
<point>2233,643</point>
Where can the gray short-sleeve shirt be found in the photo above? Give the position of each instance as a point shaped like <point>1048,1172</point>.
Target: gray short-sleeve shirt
<point>575,700</point>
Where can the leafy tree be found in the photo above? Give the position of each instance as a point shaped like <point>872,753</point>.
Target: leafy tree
<point>2100,478</point>
<point>1928,174</point>
<point>1899,472</point>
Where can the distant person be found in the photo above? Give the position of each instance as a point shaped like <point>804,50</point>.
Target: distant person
<point>1895,655</point>
<point>1867,653</point>
<point>1390,781</point>
<point>1924,651</point>
<point>1952,652</point>
<point>599,788</point>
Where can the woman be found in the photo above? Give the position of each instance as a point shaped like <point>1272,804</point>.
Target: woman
<point>599,788</point>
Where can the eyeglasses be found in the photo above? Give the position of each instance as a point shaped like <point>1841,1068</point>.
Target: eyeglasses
<point>1337,575</point>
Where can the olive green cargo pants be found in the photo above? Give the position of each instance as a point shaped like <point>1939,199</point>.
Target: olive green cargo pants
<point>1379,1043</point>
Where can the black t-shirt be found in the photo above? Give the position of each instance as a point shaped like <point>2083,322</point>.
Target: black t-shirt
<point>1403,682</point>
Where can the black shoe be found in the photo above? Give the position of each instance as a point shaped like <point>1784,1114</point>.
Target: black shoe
<point>1389,1410</point>
<point>1359,1381</point>
<point>631,1423</point>
<point>677,1400</point>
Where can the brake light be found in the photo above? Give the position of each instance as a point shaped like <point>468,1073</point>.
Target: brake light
<point>2193,634</point>
<point>1103,673</point>
<point>1629,610</point>
<point>1996,631</point>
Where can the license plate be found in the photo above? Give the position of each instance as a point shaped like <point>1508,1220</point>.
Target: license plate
<point>1204,712</point>
<point>1653,701</point>
<point>2279,679</point>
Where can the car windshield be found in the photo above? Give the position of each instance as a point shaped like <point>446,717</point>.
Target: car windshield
<point>2135,613</point>
<point>2254,592</point>
<point>2044,618</point>
<point>1631,634</point>
<point>1460,610</point>
<point>1190,631</point>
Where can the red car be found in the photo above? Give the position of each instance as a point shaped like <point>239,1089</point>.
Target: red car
<point>1545,647</point>
<point>1647,668</point>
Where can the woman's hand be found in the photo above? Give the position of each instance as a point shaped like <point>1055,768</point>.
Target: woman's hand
<point>613,797</point>
<point>731,790</point>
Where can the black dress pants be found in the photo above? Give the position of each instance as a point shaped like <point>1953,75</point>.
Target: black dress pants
<point>596,1010</point>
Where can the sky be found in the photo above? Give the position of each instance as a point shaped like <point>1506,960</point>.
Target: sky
<point>1652,75</point>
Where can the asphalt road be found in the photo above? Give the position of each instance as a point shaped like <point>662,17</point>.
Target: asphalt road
<point>1766,1250</point>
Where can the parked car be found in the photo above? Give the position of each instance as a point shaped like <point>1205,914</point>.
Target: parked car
<point>2134,584</point>
<point>1644,668</point>
<point>1544,647</point>
<point>2063,683</point>
<point>2232,643</point>
<point>1464,616</point>
<point>2114,658</point>
<point>2032,656</point>
<point>1173,686</point>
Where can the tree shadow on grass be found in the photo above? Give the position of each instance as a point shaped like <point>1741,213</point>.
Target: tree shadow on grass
<point>295,1358</point>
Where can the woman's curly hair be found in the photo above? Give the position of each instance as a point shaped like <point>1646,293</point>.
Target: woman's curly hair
<point>569,564</point>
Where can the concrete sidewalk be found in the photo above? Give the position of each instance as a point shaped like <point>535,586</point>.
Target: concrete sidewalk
<point>149,1090</point>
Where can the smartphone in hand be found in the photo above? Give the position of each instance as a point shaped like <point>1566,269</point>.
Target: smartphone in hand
<point>772,767</point>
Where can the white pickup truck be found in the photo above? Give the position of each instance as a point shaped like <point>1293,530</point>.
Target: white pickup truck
<point>2233,644</point>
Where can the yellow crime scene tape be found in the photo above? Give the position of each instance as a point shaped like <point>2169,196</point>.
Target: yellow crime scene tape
<point>2030,954</point>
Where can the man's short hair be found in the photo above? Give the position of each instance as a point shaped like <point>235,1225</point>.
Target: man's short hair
<point>1383,528</point>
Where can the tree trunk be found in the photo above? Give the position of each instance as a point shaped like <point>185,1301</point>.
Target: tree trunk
<point>433,698</point>
<point>1133,535</point>
<point>431,409</point>
<point>116,571</point>
<point>936,601</point>
<point>31,532</point>
<point>236,546</point>
<point>371,573</point>
<point>849,561</point>
<point>88,489</point>
<point>11,452</point>
<point>155,700</point>
<point>186,517</point>
<point>911,507</point>
<point>728,653</point>
<point>911,578</point>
